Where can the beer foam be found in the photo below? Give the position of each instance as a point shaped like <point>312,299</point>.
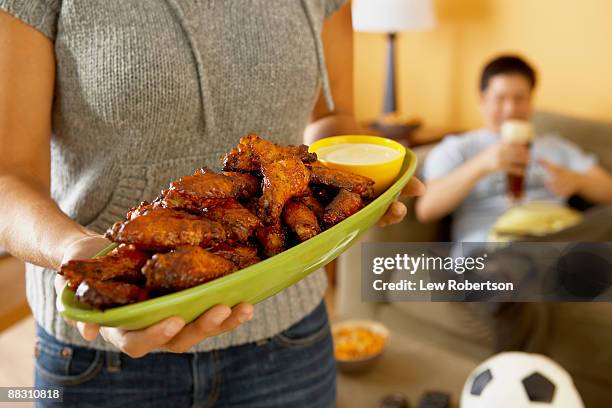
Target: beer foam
<point>517,131</point>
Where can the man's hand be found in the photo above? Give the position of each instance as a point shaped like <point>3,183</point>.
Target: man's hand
<point>511,158</point>
<point>563,182</point>
<point>397,210</point>
<point>171,334</point>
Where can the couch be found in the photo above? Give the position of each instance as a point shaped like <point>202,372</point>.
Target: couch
<point>578,335</point>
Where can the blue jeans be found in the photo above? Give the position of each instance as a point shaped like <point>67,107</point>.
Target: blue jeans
<point>295,368</point>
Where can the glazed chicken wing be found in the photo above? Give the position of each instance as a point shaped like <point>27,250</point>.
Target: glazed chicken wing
<point>273,239</point>
<point>301,219</point>
<point>241,255</point>
<point>355,183</point>
<point>164,228</point>
<point>323,194</point>
<point>195,192</point>
<point>315,206</point>
<point>237,220</point>
<point>123,263</point>
<point>141,209</point>
<point>107,294</point>
<point>282,180</point>
<point>342,206</point>
<point>248,184</point>
<point>253,151</point>
<point>184,268</point>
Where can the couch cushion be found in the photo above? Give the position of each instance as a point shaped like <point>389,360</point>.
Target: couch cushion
<point>593,136</point>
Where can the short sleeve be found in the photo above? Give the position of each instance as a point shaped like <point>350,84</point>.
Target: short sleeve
<point>568,154</point>
<point>444,158</point>
<point>40,14</point>
<point>331,6</point>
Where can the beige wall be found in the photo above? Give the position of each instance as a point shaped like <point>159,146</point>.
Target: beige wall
<point>567,40</point>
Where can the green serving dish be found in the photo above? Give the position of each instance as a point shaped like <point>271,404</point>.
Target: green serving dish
<point>252,284</point>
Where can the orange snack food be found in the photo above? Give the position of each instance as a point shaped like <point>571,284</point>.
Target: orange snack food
<point>357,342</point>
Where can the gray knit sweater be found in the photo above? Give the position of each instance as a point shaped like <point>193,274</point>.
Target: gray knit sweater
<point>147,91</point>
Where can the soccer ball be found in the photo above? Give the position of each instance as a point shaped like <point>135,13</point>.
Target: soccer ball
<point>520,380</point>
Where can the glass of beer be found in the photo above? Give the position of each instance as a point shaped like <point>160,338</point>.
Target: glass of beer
<point>520,132</point>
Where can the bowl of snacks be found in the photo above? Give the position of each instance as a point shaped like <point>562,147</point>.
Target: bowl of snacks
<point>272,216</point>
<point>358,344</point>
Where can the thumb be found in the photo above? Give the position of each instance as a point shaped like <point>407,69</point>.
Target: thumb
<point>550,166</point>
<point>88,331</point>
<point>85,247</point>
<point>59,284</point>
<point>414,188</point>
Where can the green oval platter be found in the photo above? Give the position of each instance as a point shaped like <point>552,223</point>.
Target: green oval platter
<point>252,284</point>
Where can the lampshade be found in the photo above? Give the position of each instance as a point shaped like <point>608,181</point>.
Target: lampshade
<point>392,16</point>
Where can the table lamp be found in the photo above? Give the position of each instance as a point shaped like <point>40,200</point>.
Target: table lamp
<point>392,17</point>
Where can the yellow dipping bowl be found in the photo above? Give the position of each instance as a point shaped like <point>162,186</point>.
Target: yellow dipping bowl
<point>383,174</point>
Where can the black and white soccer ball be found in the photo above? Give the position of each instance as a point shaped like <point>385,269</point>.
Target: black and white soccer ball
<point>520,380</point>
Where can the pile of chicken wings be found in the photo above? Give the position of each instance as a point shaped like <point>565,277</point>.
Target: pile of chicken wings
<point>208,224</point>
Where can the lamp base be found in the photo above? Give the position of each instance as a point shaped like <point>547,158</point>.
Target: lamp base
<point>392,127</point>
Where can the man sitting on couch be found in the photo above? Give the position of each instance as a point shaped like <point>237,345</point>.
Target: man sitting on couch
<point>466,174</point>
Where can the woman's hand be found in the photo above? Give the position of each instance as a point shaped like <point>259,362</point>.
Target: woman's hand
<point>171,334</point>
<point>397,210</point>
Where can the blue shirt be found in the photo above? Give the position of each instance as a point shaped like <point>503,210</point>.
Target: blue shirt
<point>474,217</point>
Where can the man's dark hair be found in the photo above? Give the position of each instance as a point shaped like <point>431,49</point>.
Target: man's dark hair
<point>507,64</point>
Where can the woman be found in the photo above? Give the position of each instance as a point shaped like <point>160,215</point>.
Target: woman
<point>102,104</point>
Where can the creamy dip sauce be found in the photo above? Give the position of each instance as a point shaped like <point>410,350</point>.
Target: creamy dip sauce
<point>357,153</point>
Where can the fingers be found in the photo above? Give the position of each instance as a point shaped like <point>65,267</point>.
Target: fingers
<point>397,210</point>
<point>81,248</point>
<point>173,335</point>
<point>559,189</point>
<point>414,188</point>
<point>516,170</point>
<point>556,191</point>
<point>89,331</point>
<point>59,284</point>
<point>555,183</point>
<point>551,167</point>
<point>240,314</point>
<point>215,321</point>
<point>85,247</point>
<point>516,149</point>
<point>515,154</point>
<point>510,163</point>
<point>395,214</point>
<point>137,343</point>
